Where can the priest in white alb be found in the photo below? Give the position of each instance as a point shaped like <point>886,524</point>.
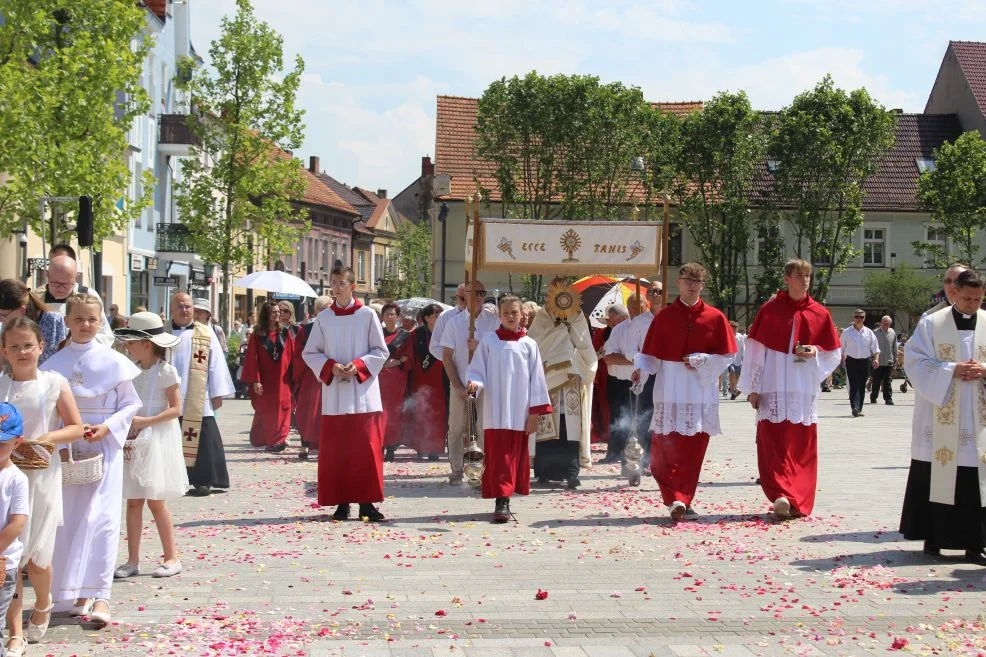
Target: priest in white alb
<point>346,350</point>
<point>561,443</point>
<point>791,348</point>
<point>688,346</point>
<point>946,362</point>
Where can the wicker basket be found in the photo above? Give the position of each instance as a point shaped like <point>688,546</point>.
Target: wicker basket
<point>87,470</point>
<point>33,455</point>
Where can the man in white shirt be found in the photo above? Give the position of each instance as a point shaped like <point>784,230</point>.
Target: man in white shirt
<point>860,350</point>
<point>435,346</point>
<point>620,370</point>
<point>736,367</point>
<point>457,351</point>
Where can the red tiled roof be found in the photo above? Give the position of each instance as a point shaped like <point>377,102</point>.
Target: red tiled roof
<point>158,7</point>
<point>971,56</point>
<point>894,185</point>
<point>318,193</point>
<point>455,144</point>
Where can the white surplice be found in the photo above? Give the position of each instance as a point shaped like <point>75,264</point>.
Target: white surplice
<point>510,376</point>
<point>685,401</point>
<point>343,339</point>
<point>932,379</point>
<point>219,381</point>
<point>788,389</point>
<point>101,380</point>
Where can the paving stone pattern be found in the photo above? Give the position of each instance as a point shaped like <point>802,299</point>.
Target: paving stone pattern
<point>267,574</point>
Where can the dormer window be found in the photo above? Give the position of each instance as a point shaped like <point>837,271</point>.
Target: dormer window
<point>772,165</point>
<point>925,164</point>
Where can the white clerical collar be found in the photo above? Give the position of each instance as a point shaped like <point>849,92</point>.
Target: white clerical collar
<point>690,304</point>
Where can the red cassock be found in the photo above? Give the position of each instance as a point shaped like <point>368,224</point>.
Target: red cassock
<point>676,332</point>
<point>393,385</point>
<point>600,407</point>
<point>307,393</point>
<point>425,402</point>
<point>787,452</point>
<point>269,360</point>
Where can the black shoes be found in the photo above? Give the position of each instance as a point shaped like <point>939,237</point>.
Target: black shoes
<point>200,491</point>
<point>977,557</point>
<point>342,512</point>
<point>303,454</point>
<point>826,389</point>
<point>389,455</point>
<point>889,402</point>
<point>277,449</point>
<point>369,513</point>
<point>501,512</point>
<point>573,483</point>
<point>734,394</point>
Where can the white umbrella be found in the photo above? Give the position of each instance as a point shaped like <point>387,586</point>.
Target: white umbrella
<point>410,307</point>
<point>277,281</point>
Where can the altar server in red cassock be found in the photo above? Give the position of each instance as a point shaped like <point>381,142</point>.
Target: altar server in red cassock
<point>791,348</point>
<point>267,369</point>
<point>346,350</point>
<point>425,402</point>
<point>393,379</point>
<point>507,369</point>
<point>307,388</point>
<point>688,346</point>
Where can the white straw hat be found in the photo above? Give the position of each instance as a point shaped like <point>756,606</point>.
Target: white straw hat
<point>147,326</point>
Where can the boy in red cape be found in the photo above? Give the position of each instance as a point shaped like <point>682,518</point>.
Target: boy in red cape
<point>346,351</point>
<point>688,346</point>
<point>507,369</point>
<point>790,349</point>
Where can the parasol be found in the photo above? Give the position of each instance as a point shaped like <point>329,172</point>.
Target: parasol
<point>278,282</point>
<point>598,292</point>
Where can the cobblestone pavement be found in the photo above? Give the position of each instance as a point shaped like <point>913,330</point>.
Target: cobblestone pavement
<point>264,576</point>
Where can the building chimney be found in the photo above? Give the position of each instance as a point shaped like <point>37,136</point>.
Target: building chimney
<point>382,193</point>
<point>427,168</point>
<point>313,164</point>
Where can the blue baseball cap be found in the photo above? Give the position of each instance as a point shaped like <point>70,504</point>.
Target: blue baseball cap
<point>11,423</point>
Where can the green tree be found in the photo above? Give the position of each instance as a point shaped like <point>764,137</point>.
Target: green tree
<point>826,143</point>
<point>720,150</point>
<point>954,192</point>
<point>238,186</point>
<point>410,275</point>
<point>770,257</point>
<point>903,291</point>
<point>70,77</point>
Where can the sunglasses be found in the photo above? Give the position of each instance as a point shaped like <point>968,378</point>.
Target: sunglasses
<point>859,316</point>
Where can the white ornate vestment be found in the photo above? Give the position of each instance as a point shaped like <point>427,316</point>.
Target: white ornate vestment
<point>949,414</point>
<point>570,363</point>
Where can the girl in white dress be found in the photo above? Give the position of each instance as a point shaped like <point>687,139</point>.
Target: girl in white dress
<point>86,544</point>
<point>154,467</point>
<point>50,415</point>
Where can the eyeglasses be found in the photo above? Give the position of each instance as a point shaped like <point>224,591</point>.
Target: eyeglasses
<point>477,292</point>
<point>692,281</point>
<point>652,293</point>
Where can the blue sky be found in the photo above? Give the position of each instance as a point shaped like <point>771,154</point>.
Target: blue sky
<point>373,68</point>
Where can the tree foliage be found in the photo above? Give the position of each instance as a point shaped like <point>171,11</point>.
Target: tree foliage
<point>70,89</point>
<point>720,150</point>
<point>826,143</point>
<point>562,145</point>
<point>903,291</point>
<point>954,192</point>
<point>410,275</point>
<point>238,187</point>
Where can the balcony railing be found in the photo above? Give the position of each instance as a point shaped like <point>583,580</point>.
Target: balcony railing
<point>175,238</point>
<point>174,130</point>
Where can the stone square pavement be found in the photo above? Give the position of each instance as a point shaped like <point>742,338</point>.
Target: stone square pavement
<point>264,577</point>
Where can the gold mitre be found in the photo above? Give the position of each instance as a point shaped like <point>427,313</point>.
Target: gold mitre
<point>562,302</point>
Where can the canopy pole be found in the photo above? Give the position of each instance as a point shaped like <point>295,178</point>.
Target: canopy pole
<point>475,265</point>
<point>665,246</point>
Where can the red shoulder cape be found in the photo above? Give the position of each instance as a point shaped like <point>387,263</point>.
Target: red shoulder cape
<point>811,322</point>
<point>679,330</point>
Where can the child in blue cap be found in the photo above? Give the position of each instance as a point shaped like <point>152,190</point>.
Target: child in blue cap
<point>14,505</point>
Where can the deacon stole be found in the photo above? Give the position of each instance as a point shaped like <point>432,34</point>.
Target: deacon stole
<point>195,392</point>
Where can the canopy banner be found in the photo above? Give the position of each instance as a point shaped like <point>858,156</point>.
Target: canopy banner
<point>567,247</point>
